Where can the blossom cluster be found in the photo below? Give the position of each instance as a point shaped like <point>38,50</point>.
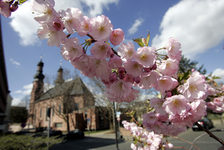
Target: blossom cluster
<point>172,114</point>
<point>120,70</point>
<point>145,140</point>
<point>217,104</point>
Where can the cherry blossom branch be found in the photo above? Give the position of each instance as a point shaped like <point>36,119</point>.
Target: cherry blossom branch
<point>160,48</point>
<point>210,134</point>
<point>91,37</point>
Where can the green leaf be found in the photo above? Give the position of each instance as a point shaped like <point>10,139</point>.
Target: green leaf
<point>215,77</point>
<point>22,1</point>
<point>147,39</point>
<point>139,41</point>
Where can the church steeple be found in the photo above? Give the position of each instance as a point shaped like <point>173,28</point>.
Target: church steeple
<point>59,80</point>
<point>37,90</point>
<point>39,74</point>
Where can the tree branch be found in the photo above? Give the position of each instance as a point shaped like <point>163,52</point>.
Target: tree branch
<point>210,134</point>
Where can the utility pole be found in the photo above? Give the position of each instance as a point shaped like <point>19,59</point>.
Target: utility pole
<point>115,125</point>
<point>49,124</point>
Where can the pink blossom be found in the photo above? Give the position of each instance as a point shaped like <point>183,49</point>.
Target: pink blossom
<point>115,62</point>
<point>85,26</point>
<point>198,110</point>
<point>53,33</point>
<point>176,105</point>
<point>126,51</point>
<point>157,103</point>
<point>169,67</point>
<point>82,63</point>
<point>5,8</point>
<point>100,50</point>
<point>195,86</point>
<point>113,77</point>
<point>151,140</point>
<point>116,36</point>
<point>72,19</point>
<point>133,146</point>
<point>174,49</point>
<point>217,105</point>
<point>210,90</point>
<point>121,91</point>
<point>133,68</point>
<point>146,56</point>
<point>174,129</point>
<point>149,80</point>
<point>166,83</point>
<point>119,88</point>
<point>100,67</point>
<point>149,119</point>
<point>101,28</point>
<point>129,98</point>
<point>44,9</point>
<point>71,49</point>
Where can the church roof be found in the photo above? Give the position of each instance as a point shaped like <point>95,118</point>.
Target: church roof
<point>73,87</point>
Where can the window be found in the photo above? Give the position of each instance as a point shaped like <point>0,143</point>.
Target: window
<point>40,112</point>
<point>58,124</point>
<point>76,106</point>
<point>34,115</point>
<point>46,113</point>
<point>59,109</point>
<point>53,111</point>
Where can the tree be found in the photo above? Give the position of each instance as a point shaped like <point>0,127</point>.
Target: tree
<point>18,114</point>
<point>186,65</point>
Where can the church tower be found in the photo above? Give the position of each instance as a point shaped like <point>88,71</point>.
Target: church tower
<point>59,80</point>
<point>37,90</point>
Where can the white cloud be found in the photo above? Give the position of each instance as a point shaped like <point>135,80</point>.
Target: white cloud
<point>219,72</point>
<point>16,101</point>
<point>21,97</point>
<point>95,7</point>
<point>198,25</point>
<point>14,62</point>
<point>135,26</point>
<point>25,90</point>
<point>23,23</point>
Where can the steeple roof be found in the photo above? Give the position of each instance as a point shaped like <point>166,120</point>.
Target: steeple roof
<point>39,73</point>
<point>59,80</point>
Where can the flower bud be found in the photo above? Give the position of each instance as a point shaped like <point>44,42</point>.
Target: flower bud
<point>113,77</point>
<point>137,80</point>
<point>13,7</point>
<point>121,72</point>
<point>154,67</point>
<point>168,94</point>
<point>147,69</point>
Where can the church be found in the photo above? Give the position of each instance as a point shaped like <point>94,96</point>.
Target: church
<point>67,106</point>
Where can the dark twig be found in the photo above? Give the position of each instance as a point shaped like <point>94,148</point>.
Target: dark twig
<point>210,134</point>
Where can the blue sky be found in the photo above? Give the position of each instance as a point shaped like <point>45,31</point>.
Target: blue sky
<point>197,24</point>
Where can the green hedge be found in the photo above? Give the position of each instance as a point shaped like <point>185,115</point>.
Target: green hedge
<point>26,142</point>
